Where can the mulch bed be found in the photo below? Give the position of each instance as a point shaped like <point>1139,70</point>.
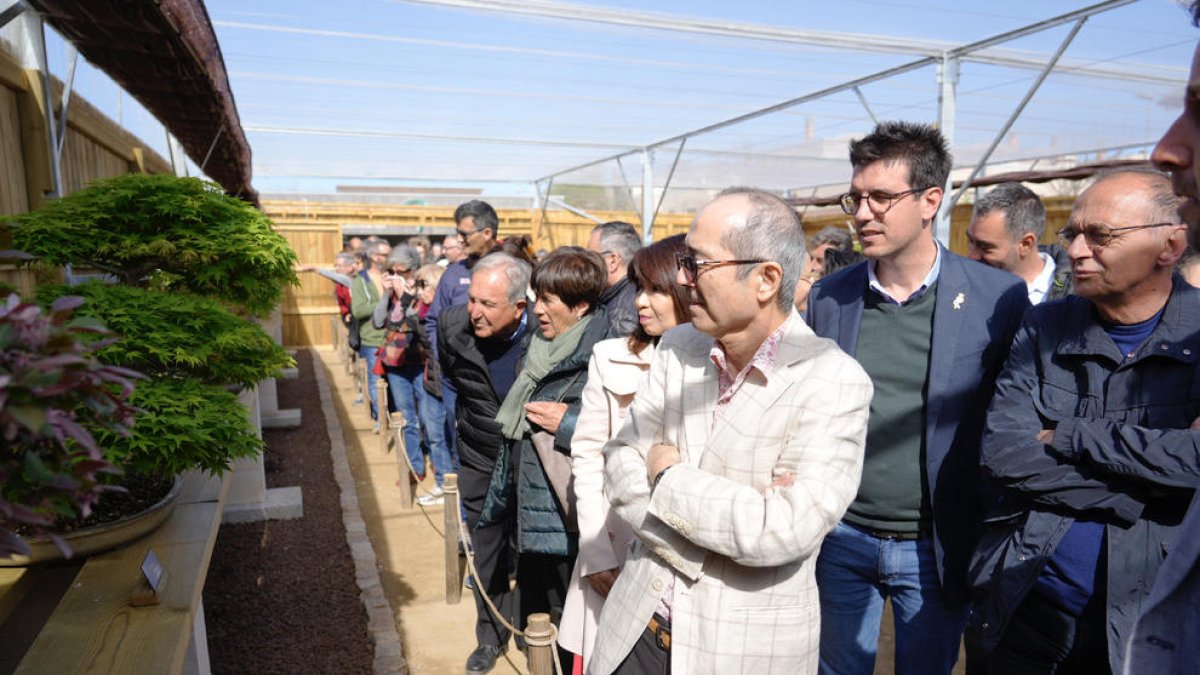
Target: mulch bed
<point>281,595</point>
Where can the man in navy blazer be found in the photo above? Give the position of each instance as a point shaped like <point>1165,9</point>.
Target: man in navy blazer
<point>932,329</point>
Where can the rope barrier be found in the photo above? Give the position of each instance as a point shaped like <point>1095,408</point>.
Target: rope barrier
<point>538,640</point>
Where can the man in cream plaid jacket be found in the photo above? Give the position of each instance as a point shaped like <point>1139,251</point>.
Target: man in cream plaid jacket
<point>743,448</point>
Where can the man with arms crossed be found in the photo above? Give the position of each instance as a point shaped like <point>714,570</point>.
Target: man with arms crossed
<point>1088,435</point>
<point>742,449</point>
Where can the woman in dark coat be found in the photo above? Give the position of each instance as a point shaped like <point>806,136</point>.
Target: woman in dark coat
<point>542,408</point>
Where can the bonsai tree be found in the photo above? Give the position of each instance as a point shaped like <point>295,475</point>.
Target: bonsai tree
<point>52,390</point>
<point>168,232</point>
<point>185,255</point>
<point>177,334</point>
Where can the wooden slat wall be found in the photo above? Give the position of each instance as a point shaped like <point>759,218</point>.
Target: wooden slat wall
<point>307,308</point>
<point>13,197</point>
<point>84,160</point>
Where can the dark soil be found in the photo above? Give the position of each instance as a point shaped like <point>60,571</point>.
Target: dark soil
<point>135,495</point>
<point>280,595</point>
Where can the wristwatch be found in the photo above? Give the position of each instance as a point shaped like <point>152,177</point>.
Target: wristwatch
<point>660,476</point>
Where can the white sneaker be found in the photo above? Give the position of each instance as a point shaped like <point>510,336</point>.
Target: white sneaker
<point>435,497</point>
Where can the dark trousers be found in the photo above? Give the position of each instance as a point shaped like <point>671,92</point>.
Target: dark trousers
<point>542,580</point>
<point>646,658</point>
<point>1042,639</point>
<point>493,558</point>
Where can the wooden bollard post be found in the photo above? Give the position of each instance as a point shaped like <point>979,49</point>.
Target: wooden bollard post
<point>396,435</point>
<point>381,407</point>
<point>451,528</point>
<point>540,642</point>
<point>335,337</point>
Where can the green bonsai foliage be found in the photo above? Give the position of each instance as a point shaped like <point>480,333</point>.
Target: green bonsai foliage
<point>178,334</point>
<point>182,424</point>
<point>160,230</point>
<point>52,390</point>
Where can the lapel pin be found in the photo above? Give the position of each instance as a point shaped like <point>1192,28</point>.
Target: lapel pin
<point>959,300</point>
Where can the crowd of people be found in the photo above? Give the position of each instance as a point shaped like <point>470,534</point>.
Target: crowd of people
<point>725,451</point>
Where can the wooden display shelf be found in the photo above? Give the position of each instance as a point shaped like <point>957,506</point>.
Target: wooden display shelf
<point>94,629</point>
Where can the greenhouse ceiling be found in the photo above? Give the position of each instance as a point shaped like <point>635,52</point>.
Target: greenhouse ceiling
<point>512,92</point>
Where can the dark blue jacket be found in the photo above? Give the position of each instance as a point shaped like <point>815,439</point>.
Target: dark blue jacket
<point>977,312</point>
<point>1122,454</point>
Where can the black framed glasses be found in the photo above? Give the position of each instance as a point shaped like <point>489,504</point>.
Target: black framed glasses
<point>464,235</point>
<point>1099,235</point>
<point>879,201</point>
<point>692,266</point>
<point>421,283</point>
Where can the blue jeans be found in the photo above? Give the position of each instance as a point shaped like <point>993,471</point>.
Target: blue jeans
<point>855,573</point>
<point>368,357</point>
<point>450,406</point>
<point>403,383</point>
<point>433,419</point>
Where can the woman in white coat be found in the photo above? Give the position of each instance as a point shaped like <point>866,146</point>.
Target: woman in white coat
<point>615,373</point>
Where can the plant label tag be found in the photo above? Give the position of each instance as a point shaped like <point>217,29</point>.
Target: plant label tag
<point>152,570</point>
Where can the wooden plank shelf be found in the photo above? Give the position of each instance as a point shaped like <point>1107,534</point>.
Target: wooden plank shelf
<point>94,629</point>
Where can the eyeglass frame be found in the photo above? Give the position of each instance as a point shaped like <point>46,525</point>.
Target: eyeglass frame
<point>1109,236</point>
<point>892,198</point>
<point>691,270</point>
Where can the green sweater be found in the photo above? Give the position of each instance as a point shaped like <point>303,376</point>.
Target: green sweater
<point>363,298</point>
<point>893,347</point>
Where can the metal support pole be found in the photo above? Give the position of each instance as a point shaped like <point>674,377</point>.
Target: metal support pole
<point>212,147</point>
<point>11,10</point>
<point>628,185</point>
<point>647,195</point>
<point>545,203</point>
<point>947,79</point>
<point>32,37</point>
<point>65,107</point>
<point>866,106</point>
<point>671,174</point>
<point>1020,109</point>
<point>178,158</point>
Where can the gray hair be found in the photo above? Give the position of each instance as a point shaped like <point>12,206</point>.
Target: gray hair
<point>620,238</point>
<point>516,271</point>
<point>1162,204</point>
<point>344,259</point>
<point>1023,210</point>
<point>377,245</point>
<point>772,231</point>
<point>404,255</point>
<point>838,237</point>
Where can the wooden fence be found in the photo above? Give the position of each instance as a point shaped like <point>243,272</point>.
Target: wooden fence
<point>315,232</point>
<point>95,147</point>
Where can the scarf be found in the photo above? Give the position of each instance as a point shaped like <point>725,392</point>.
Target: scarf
<point>541,358</point>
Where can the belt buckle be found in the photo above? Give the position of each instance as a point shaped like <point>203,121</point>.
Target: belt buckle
<point>662,633</point>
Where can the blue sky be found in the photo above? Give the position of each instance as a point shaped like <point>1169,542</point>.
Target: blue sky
<point>395,92</point>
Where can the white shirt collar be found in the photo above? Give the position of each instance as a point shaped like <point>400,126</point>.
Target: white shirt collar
<point>932,276</point>
<point>1040,286</point>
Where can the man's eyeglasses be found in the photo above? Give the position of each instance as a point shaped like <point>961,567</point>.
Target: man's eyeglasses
<point>465,234</point>
<point>692,266</point>
<point>1099,235</point>
<point>879,201</point>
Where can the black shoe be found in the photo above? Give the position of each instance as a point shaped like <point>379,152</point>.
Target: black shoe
<point>483,659</point>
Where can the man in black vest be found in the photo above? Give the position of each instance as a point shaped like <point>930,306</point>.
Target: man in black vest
<point>481,346</point>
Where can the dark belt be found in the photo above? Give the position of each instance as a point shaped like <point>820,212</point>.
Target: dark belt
<point>893,536</point>
<point>660,628</point>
